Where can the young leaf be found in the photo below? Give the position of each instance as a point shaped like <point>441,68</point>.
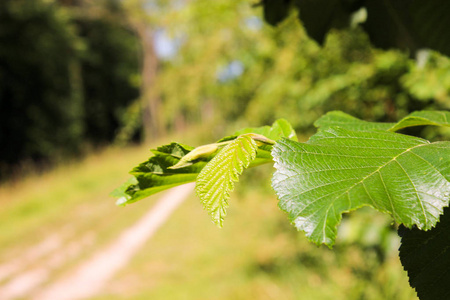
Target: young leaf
<point>279,129</point>
<point>202,151</point>
<point>418,118</point>
<point>425,255</point>
<point>216,180</point>
<point>340,170</point>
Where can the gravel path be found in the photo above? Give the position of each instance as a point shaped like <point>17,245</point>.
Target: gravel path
<point>89,277</point>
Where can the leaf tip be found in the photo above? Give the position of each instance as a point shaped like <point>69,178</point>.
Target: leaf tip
<point>122,201</point>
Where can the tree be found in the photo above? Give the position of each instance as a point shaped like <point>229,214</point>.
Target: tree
<point>66,71</point>
<point>347,164</point>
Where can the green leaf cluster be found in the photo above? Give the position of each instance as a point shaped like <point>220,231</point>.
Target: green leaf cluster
<point>215,167</point>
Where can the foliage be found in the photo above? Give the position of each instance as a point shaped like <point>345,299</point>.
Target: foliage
<point>65,78</point>
<point>347,164</point>
<point>430,78</point>
<point>271,73</point>
<point>40,103</point>
<point>409,25</point>
<point>109,66</point>
<point>176,164</point>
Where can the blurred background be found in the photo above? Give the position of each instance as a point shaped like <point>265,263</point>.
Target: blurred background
<point>87,87</point>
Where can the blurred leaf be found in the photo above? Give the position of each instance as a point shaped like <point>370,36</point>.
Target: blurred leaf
<point>404,24</point>
<point>120,192</point>
<point>216,180</point>
<point>389,24</point>
<point>429,78</point>
<point>425,255</point>
<point>276,11</point>
<point>431,23</point>
<point>340,170</point>
<point>319,16</point>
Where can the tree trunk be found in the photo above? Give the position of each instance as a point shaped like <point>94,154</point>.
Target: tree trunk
<point>151,102</point>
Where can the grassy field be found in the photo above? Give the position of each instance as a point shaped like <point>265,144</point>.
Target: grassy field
<point>257,255</point>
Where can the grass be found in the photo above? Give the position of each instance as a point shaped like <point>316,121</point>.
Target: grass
<point>257,255</point>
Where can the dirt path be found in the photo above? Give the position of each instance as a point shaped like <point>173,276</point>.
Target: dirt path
<point>90,276</point>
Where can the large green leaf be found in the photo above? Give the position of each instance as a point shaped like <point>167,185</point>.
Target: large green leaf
<point>216,180</point>
<point>418,118</point>
<point>425,255</point>
<point>340,170</point>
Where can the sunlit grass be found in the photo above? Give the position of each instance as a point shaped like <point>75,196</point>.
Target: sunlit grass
<point>70,198</point>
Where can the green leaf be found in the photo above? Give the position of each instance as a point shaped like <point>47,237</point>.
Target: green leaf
<point>155,175</point>
<point>418,118</point>
<point>425,255</point>
<point>340,170</point>
<point>216,180</point>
